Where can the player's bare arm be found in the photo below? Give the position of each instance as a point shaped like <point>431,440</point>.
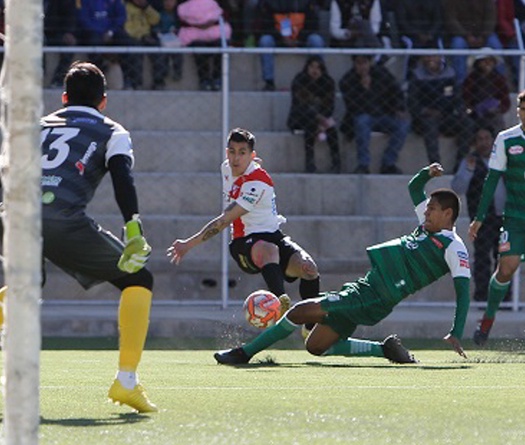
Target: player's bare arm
<point>473,229</point>
<point>455,343</point>
<point>181,247</point>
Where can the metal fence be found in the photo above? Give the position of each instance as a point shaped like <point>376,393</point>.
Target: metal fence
<point>179,130</point>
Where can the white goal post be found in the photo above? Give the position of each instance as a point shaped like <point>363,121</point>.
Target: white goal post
<point>21,102</point>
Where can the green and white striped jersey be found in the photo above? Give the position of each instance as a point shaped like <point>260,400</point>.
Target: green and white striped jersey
<point>508,157</point>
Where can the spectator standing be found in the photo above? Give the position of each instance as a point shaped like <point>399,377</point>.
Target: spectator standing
<point>141,18</point>
<point>468,181</point>
<point>60,27</point>
<point>286,23</point>
<point>374,102</point>
<point>101,23</point>
<point>313,103</point>
<point>200,27</point>
<point>486,93</point>
<point>470,24</point>
<point>167,30</point>
<point>355,23</point>
<point>436,107</point>
<point>506,32</point>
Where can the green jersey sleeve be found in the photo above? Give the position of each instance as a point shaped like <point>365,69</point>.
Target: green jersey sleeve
<point>462,287</point>
<point>489,186</point>
<point>416,186</point>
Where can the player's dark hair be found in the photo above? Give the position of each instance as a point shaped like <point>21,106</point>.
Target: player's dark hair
<point>85,84</point>
<point>447,199</point>
<point>241,135</point>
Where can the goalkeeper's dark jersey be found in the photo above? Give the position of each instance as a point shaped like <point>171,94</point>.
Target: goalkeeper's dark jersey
<point>77,143</point>
<point>411,262</point>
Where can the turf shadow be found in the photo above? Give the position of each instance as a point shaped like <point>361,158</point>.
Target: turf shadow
<point>118,419</point>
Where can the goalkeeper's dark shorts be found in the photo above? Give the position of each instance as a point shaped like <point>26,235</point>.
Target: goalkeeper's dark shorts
<point>83,249</point>
<point>241,248</point>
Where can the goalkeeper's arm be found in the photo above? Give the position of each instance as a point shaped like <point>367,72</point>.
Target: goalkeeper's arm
<point>136,250</point>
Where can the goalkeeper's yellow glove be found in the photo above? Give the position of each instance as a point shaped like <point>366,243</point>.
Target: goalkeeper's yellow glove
<point>137,250</point>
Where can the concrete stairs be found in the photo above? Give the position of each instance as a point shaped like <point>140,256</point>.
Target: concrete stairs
<point>179,148</point>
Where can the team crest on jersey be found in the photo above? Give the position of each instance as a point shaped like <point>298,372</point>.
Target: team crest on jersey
<point>515,150</point>
<point>411,245</point>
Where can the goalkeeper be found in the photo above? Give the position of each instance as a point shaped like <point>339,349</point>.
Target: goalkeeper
<point>400,267</point>
<point>79,146</point>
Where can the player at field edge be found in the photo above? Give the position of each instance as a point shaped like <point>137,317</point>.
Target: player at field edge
<point>257,244</point>
<point>400,267</point>
<point>79,146</point>
<point>507,161</point>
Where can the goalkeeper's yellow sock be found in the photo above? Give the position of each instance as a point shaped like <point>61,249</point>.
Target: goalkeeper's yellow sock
<point>133,321</point>
<point>3,291</point>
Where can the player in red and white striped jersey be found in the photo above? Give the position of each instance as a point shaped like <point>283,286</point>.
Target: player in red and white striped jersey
<point>257,245</point>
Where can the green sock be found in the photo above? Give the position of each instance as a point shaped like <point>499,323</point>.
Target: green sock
<point>282,329</point>
<point>352,347</point>
<point>497,292</point>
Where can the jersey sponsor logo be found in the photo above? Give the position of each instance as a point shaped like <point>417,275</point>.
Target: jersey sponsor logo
<point>515,150</point>
<point>48,197</point>
<point>464,263</point>
<point>400,283</point>
<point>81,164</point>
<point>463,259</point>
<point>51,180</point>
<point>248,199</point>
<point>438,243</point>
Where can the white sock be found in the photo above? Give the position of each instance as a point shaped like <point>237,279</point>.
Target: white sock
<point>128,379</point>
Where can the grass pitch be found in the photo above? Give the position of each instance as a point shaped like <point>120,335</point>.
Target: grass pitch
<point>288,397</point>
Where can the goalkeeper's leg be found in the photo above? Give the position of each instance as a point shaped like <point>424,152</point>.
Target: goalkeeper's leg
<point>133,321</point>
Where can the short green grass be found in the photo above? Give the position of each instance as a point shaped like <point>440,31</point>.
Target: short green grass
<point>287,397</point>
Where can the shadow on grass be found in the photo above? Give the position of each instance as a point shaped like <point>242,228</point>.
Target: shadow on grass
<point>269,362</point>
<point>119,419</point>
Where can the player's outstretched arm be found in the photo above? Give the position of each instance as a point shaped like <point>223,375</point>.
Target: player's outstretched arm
<point>181,247</point>
<point>456,344</point>
<point>416,186</point>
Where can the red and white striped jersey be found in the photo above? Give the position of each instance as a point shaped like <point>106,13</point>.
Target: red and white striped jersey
<point>254,192</point>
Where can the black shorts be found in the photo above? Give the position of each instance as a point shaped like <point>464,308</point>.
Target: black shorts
<point>241,248</point>
<point>83,249</point>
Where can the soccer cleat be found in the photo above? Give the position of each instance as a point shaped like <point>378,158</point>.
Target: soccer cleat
<point>306,329</point>
<point>286,303</point>
<point>481,334</point>
<point>235,356</point>
<point>136,397</point>
<point>394,351</point>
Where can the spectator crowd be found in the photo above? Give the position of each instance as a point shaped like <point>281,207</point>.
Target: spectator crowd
<point>431,96</point>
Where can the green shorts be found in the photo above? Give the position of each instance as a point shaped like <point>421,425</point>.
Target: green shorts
<point>512,237</point>
<point>362,302</point>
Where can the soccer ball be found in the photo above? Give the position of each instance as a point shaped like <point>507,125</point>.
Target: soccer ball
<point>262,309</point>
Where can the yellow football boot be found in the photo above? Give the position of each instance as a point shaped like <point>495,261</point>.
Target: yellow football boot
<point>136,397</point>
<point>286,303</point>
